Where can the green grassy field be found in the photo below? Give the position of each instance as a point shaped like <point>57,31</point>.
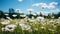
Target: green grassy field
<point>31,27</point>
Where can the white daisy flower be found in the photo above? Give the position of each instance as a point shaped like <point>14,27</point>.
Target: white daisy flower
<point>24,26</point>
<point>51,29</point>
<point>5,22</point>
<point>23,15</point>
<point>32,17</point>
<point>58,17</point>
<point>31,20</point>
<point>34,14</point>
<point>6,14</point>
<point>9,18</point>
<point>14,15</point>
<point>10,27</point>
<point>51,21</point>
<point>40,19</point>
<point>3,29</point>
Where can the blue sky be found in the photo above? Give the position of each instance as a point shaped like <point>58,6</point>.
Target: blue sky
<point>28,4</point>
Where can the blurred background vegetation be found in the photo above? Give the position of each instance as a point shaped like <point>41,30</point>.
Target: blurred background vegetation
<point>12,12</point>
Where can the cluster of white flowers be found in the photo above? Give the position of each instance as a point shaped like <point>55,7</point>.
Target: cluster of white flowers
<point>40,19</point>
<point>5,22</point>
<point>31,22</point>
<point>10,28</point>
<point>24,26</point>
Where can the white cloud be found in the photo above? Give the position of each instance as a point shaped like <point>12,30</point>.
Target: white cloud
<point>20,0</point>
<point>36,4</point>
<point>53,3</point>
<point>51,6</point>
<point>44,5</point>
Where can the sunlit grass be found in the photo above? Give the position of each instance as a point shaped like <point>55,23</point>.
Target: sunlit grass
<point>36,28</point>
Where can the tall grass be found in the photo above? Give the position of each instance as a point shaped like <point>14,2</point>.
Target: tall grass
<point>36,28</point>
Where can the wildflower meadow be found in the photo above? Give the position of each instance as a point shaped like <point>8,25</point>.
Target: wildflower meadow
<point>29,16</point>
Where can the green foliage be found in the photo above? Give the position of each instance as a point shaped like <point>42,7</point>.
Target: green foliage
<point>35,29</point>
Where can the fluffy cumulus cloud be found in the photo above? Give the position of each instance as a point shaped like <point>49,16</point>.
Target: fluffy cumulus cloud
<point>37,4</point>
<point>45,5</point>
<point>53,3</point>
<point>20,0</point>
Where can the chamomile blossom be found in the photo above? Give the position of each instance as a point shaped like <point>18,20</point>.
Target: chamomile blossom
<point>10,27</point>
<point>40,19</point>
<point>14,15</point>
<point>5,22</point>
<point>24,26</point>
